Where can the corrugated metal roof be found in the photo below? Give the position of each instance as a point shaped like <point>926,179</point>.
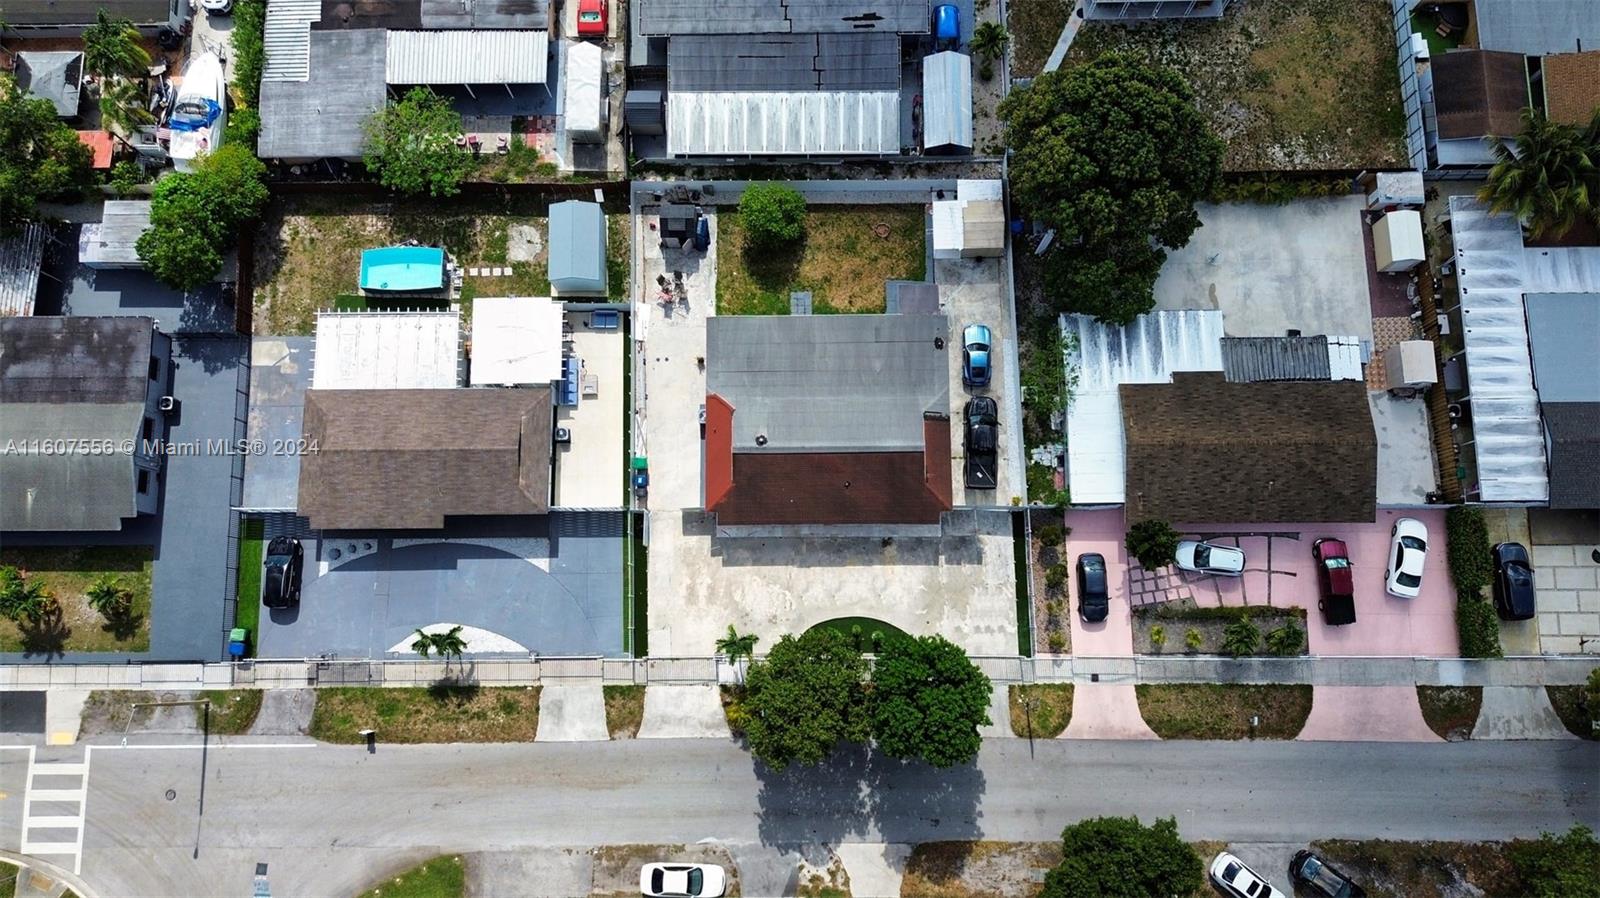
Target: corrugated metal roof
<point>577,247</point>
<point>467,57</point>
<point>669,17</point>
<point>322,116</point>
<point>1251,359</point>
<point>947,100</point>
<point>287,37</point>
<point>1564,334</point>
<point>1538,27</point>
<point>784,62</point>
<point>20,259</point>
<point>761,124</point>
<point>1144,352</point>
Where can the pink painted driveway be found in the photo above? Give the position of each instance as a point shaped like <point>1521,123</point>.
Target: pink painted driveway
<point>1101,531</point>
<point>1106,711</point>
<point>1366,714</point>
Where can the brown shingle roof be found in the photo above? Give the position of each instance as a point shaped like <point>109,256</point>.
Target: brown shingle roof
<point>1572,87</point>
<point>1202,450</point>
<point>1479,92</point>
<point>405,459</point>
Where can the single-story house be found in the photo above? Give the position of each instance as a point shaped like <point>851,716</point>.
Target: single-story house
<point>516,341</point>
<point>577,248</point>
<point>92,390</point>
<point>1203,450</point>
<point>1563,335</point>
<point>1477,94</point>
<point>317,92</point>
<point>408,459</point>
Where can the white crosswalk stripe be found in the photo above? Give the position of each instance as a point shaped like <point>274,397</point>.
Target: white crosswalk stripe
<point>55,822</point>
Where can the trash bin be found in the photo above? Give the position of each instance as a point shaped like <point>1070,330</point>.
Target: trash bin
<point>238,642</point>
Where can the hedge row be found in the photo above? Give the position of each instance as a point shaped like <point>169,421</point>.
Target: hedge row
<point>1467,535</point>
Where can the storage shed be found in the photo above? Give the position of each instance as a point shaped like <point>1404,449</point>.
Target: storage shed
<point>947,103</point>
<point>645,112</point>
<point>577,248</point>
<point>1397,241</point>
<point>112,241</point>
<point>584,97</point>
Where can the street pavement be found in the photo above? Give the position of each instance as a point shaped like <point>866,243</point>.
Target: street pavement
<point>328,819</point>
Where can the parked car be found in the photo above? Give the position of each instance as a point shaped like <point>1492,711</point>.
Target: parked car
<point>1094,599</point>
<point>1513,582</point>
<point>682,880</point>
<point>1337,579</point>
<point>1232,877</point>
<point>975,355</point>
<point>591,18</point>
<point>1208,558</point>
<point>217,7</point>
<point>1312,872</point>
<point>982,442</point>
<point>1408,549</point>
<point>281,582</point>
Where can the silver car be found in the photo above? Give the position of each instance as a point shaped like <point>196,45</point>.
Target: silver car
<point>1210,558</point>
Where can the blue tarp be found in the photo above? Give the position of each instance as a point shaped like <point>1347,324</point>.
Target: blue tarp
<point>187,120</point>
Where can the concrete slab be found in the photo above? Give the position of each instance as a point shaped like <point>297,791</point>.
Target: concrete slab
<point>875,869</point>
<point>1366,714</point>
<point>534,872</point>
<point>63,715</point>
<point>285,712</point>
<point>999,725</point>
<point>73,289</point>
<point>1272,268</point>
<point>590,470</point>
<point>774,869</point>
<point>280,374</point>
<point>1406,469</point>
<point>972,291</point>
<point>1518,712</point>
<point>1106,711</point>
<point>572,714</point>
<point>683,712</point>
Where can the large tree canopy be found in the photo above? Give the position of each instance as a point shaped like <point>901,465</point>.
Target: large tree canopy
<point>1116,857</point>
<point>411,145</point>
<point>40,158</point>
<point>194,216</point>
<point>805,697</point>
<point>1112,154</point>
<point>928,701</point>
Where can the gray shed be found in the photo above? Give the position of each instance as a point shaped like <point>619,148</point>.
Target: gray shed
<point>645,111</point>
<point>947,103</point>
<point>577,249</point>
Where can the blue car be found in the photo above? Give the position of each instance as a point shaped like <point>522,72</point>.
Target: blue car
<point>975,355</point>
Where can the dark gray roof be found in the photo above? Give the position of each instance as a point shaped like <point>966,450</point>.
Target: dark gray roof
<point>1564,336</point>
<point>485,14</point>
<point>60,359</point>
<point>784,62</point>
<point>56,76</point>
<point>1538,27</point>
<point>671,17</point>
<point>322,117</point>
<point>1251,359</point>
<point>1574,433</point>
<point>829,383</point>
<point>79,12</point>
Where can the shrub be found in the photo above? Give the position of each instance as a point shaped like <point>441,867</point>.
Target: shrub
<point>1591,696</point>
<point>1559,866</point>
<point>249,48</point>
<point>1477,626</point>
<point>1286,640</point>
<point>927,701</point>
<point>1056,576</point>
<point>244,126</point>
<point>1042,487</point>
<point>1193,640</point>
<point>1467,542</point>
<point>1153,543</point>
<point>1053,608</point>
<point>1057,641</point>
<point>773,215</point>
<point>125,176</point>
<point>1117,857</point>
<point>1241,637</point>
<point>1051,534</point>
<point>1158,636</point>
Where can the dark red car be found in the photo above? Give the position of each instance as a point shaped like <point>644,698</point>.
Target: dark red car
<point>1337,579</point>
<point>592,18</point>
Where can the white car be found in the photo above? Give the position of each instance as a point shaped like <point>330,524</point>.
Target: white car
<point>217,7</point>
<point>1207,558</point>
<point>682,880</point>
<point>1408,549</point>
<point>1230,875</point>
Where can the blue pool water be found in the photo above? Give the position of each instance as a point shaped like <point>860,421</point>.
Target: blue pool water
<point>403,268</point>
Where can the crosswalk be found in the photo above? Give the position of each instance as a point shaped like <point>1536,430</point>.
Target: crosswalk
<point>54,833</point>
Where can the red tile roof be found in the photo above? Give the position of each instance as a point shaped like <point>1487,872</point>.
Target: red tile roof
<point>99,143</point>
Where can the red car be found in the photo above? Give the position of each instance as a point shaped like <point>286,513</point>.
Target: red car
<point>592,18</point>
<point>1337,578</point>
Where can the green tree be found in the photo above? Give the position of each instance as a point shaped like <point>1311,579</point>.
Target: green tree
<point>195,216</point>
<point>411,145</point>
<point>1117,857</point>
<point>23,599</point>
<point>1113,155</point>
<point>773,215</point>
<point>1153,543</point>
<point>1559,866</point>
<point>989,41</point>
<point>249,49</point>
<point>423,644</point>
<point>109,598</point>
<point>806,696</point>
<point>40,158</point>
<point>738,646</point>
<point>450,643</point>
<point>122,108</point>
<point>113,48</point>
<point>928,700</point>
<point>1549,176</point>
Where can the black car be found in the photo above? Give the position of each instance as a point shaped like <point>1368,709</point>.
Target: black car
<point>981,442</point>
<point>280,586</point>
<point>1314,873</point>
<point>1093,598</point>
<point>1513,582</point>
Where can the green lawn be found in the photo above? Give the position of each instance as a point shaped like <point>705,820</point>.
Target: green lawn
<point>1223,711</point>
<point>860,629</point>
<point>441,713</point>
<point>1050,714</point>
<point>442,877</point>
<point>232,711</point>
<point>68,572</point>
<point>252,548</point>
<point>847,255</point>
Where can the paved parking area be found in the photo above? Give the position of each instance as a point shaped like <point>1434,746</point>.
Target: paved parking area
<point>1100,531</point>
<point>972,291</point>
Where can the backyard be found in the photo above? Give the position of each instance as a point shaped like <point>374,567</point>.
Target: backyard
<point>1287,84</point>
<point>1035,27</point>
<point>68,572</point>
<point>847,254</point>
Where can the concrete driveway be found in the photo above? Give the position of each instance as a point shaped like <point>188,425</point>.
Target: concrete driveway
<point>1101,531</point>
<point>973,291</point>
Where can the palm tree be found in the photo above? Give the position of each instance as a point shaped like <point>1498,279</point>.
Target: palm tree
<point>122,108</point>
<point>449,643</point>
<point>737,646</point>
<point>1549,178</point>
<point>111,48</point>
<point>423,644</point>
<point>989,41</point>
<point>109,598</point>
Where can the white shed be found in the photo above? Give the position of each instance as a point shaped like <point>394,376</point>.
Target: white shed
<point>583,99</point>
<point>1397,240</point>
<point>947,103</point>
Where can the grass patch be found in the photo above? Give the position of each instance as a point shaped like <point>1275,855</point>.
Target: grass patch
<point>252,551</point>
<point>860,630</point>
<point>232,711</point>
<point>444,712</point>
<point>624,710</point>
<point>1287,84</point>
<point>68,572</point>
<point>982,869</point>
<point>1051,713</point>
<point>1223,711</point>
<point>1451,711</point>
<point>848,253</point>
<point>442,877</point>
<point>1425,868</point>
<point>1568,703</point>
<point>1035,26</point>
<point>732,698</point>
<point>619,256</point>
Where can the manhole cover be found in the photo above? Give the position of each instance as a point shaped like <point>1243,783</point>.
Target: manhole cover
<point>172,794</point>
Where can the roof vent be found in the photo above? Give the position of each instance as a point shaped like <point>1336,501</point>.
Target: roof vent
<point>847,484</point>
<point>761,439</point>
<point>938,342</point>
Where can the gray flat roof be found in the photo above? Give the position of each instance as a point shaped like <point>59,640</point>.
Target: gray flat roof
<point>113,239</point>
<point>68,12</point>
<point>56,76</point>
<point>784,62</point>
<point>1564,334</point>
<point>1538,27</point>
<point>667,17</point>
<point>323,116</point>
<point>485,14</point>
<point>829,383</point>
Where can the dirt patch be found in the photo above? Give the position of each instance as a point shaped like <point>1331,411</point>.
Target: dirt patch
<point>616,867</point>
<point>232,711</point>
<point>1051,604</point>
<point>977,869</point>
<point>1049,714</point>
<point>1571,707</point>
<point>848,253</point>
<point>1407,869</point>
<point>1035,26</point>
<point>832,881</point>
<point>1223,711</point>
<point>1287,84</point>
<point>112,712</point>
<point>624,710</point>
<point>1451,711</point>
<point>1177,618</point>
<point>68,572</point>
<point>444,712</point>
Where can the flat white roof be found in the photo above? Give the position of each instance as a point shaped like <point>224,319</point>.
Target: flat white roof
<point>467,57</point>
<point>515,340</point>
<point>387,351</point>
<point>763,123</point>
<point>1144,352</point>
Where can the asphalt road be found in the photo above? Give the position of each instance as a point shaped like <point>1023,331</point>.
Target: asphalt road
<point>328,820</point>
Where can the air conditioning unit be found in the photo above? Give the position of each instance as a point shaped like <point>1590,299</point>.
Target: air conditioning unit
<point>563,436</point>
<point>167,404</point>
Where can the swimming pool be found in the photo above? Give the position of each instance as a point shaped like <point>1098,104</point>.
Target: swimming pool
<point>403,269</point>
